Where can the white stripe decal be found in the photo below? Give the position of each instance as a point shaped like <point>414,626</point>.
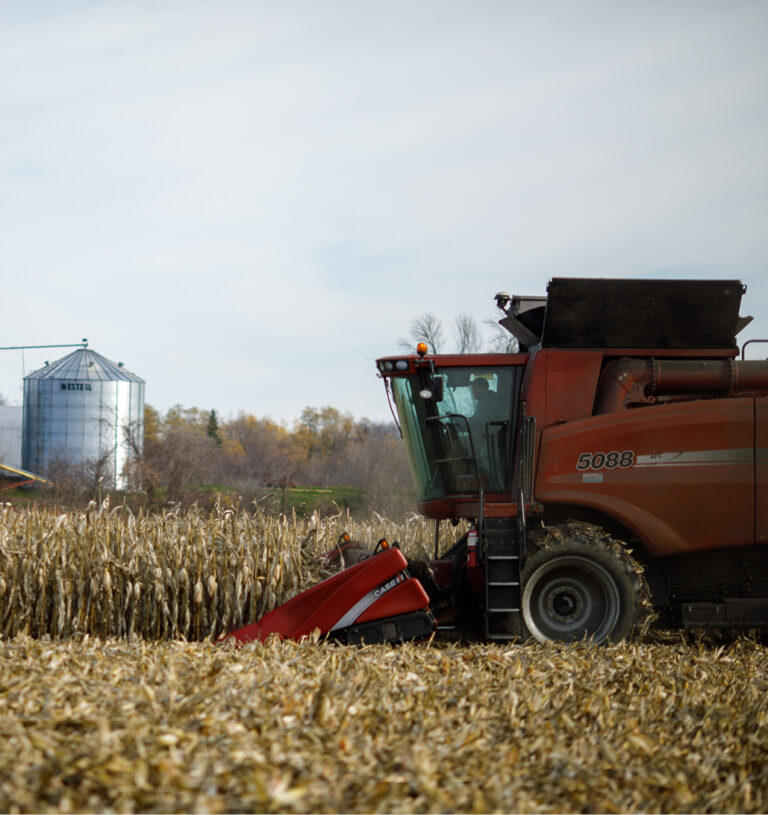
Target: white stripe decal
<point>367,600</point>
<point>357,609</point>
<point>696,458</point>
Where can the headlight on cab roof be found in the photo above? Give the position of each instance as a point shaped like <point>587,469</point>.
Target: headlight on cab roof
<point>389,366</point>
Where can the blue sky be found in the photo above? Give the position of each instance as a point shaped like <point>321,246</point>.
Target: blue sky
<point>247,202</point>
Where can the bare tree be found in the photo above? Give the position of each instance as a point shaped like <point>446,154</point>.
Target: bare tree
<point>467,334</point>
<point>64,479</point>
<point>424,328</point>
<point>183,457</point>
<point>375,459</point>
<point>96,475</point>
<point>502,341</point>
<point>137,471</point>
<point>73,480</point>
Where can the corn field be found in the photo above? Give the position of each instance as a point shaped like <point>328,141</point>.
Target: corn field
<point>108,573</point>
<point>104,707</point>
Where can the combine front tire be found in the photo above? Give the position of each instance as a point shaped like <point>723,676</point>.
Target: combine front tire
<point>582,585</point>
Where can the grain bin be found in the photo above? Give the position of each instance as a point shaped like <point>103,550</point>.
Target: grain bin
<point>76,411</point>
<point>10,435</point>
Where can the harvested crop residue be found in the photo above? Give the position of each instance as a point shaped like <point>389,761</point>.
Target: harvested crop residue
<point>125,726</point>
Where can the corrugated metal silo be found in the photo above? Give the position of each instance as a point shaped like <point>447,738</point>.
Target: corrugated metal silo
<point>75,411</point>
<point>10,435</point>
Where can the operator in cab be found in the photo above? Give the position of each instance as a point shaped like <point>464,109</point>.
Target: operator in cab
<point>484,423</point>
<point>486,409</point>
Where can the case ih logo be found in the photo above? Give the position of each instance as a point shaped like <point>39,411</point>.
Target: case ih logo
<point>76,386</point>
<point>367,600</point>
<point>390,584</point>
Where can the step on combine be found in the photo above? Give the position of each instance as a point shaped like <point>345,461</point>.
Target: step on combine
<point>613,471</point>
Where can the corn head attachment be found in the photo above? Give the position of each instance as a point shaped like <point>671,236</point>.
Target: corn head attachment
<point>374,601</point>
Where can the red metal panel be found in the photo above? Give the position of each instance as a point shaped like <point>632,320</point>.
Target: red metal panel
<point>323,605</point>
<point>571,384</point>
<point>408,596</point>
<point>680,476</point>
<point>559,386</point>
<point>761,470</point>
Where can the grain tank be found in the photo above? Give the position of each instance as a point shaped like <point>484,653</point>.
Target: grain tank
<point>77,411</point>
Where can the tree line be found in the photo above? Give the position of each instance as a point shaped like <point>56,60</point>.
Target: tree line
<point>188,447</point>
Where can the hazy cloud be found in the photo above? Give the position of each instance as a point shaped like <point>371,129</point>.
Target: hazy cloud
<point>248,202</point>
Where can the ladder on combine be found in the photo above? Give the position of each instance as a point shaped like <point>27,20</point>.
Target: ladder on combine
<point>503,544</point>
<point>503,594</point>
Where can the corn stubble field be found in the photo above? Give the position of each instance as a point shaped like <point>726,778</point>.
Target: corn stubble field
<point>114,697</point>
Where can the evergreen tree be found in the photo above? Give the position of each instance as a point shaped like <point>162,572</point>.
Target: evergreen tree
<point>212,430</point>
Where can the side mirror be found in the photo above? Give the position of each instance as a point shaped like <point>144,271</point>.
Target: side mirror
<point>434,391</point>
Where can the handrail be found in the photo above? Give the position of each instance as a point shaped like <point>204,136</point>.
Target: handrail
<point>744,347</point>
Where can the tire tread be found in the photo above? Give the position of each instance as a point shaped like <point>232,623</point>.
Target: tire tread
<point>594,538</point>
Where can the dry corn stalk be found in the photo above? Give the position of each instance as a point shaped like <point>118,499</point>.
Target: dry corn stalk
<point>108,573</point>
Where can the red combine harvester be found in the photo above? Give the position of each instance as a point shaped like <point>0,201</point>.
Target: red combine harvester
<point>617,464</point>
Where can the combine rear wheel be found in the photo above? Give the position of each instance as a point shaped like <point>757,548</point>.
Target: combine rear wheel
<point>581,584</point>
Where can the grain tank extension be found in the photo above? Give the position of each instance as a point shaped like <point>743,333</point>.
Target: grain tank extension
<point>616,465</point>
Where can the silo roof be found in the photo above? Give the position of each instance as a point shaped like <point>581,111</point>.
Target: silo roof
<point>85,364</point>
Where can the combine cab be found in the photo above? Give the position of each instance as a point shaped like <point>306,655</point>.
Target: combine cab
<point>616,466</point>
